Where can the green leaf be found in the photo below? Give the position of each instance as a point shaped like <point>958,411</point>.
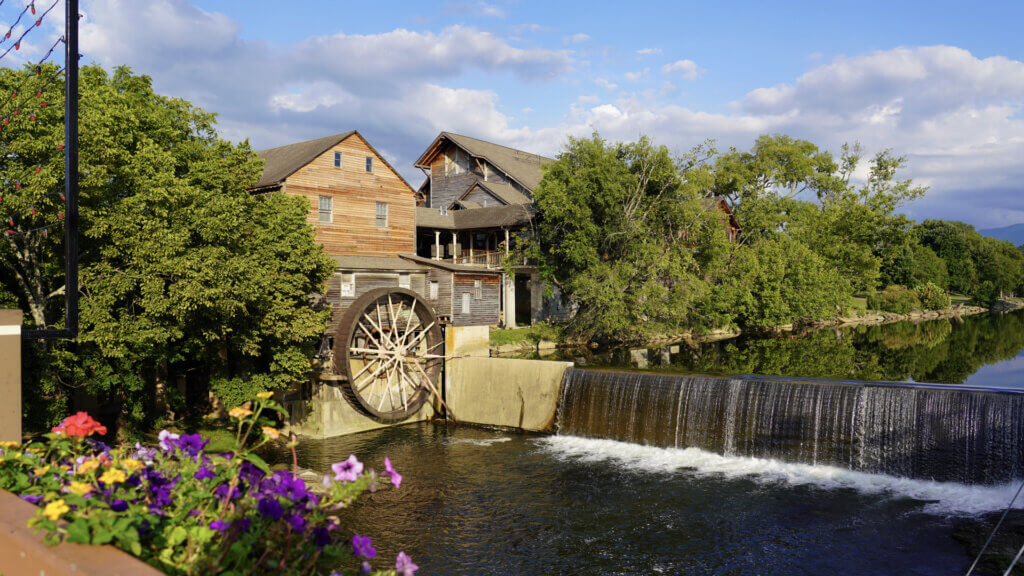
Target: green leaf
<point>78,531</point>
<point>257,461</point>
<point>177,536</point>
<point>102,536</point>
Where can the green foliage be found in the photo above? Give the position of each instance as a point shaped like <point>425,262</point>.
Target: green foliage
<point>185,510</point>
<point>979,266</point>
<point>932,297</point>
<point>896,299</point>
<point>185,275</point>
<point>531,334</point>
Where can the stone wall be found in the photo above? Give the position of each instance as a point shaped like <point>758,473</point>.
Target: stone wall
<point>505,392</point>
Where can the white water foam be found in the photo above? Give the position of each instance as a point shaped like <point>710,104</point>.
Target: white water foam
<point>942,498</point>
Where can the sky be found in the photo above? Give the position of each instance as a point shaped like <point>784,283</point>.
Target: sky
<point>940,82</point>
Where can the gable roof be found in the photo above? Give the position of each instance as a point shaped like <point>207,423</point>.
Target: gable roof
<point>504,192</point>
<point>281,162</point>
<point>522,167</point>
<point>475,218</point>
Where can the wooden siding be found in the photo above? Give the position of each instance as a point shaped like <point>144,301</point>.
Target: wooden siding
<point>484,311</point>
<point>443,303</point>
<point>483,197</point>
<point>364,282</point>
<point>353,230</point>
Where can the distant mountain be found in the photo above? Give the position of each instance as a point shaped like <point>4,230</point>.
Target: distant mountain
<point>1013,233</point>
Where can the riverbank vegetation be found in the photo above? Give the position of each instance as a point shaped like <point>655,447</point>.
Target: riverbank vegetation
<point>638,239</point>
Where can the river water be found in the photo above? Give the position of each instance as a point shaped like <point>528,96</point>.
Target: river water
<point>983,350</point>
<point>480,502</point>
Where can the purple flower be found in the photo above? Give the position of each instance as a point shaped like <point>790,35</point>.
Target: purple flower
<point>243,524</point>
<point>363,546</point>
<point>286,485</point>
<point>31,498</point>
<point>270,508</point>
<point>321,536</point>
<point>221,492</point>
<point>191,444</point>
<point>250,473</point>
<point>349,470</point>
<point>194,512</point>
<point>118,505</point>
<point>297,523</point>
<point>365,568</point>
<point>147,455</point>
<point>396,478</point>
<point>404,565</point>
<point>168,440</point>
<point>204,473</point>
<point>219,525</point>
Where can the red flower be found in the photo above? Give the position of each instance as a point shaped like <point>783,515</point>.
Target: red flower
<point>80,424</point>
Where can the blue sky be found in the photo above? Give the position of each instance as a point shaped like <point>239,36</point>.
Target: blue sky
<point>942,82</point>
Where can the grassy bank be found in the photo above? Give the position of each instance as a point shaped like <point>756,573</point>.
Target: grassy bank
<point>529,335</point>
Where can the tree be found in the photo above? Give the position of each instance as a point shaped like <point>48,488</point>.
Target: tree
<point>186,277</point>
<point>615,233</point>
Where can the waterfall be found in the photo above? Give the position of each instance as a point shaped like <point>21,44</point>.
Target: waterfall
<point>942,433</point>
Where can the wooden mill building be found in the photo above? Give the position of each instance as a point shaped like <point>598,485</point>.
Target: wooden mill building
<point>364,214</point>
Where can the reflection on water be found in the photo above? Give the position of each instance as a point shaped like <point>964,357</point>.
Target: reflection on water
<point>476,502</point>
<point>982,350</point>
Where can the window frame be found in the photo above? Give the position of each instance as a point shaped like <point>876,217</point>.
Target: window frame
<point>337,159</point>
<point>467,303</point>
<point>329,211</point>
<point>377,215</point>
<point>433,289</point>
<point>405,281</point>
<point>369,164</point>
<point>478,289</point>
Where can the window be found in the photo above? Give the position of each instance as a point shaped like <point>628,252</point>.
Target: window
<point>382,215</point>
<point>465,302</point>
<point>478,290</point>
<point>433,289</point>
<point>369,164</point>
<point>403,281</point>
<point>348,285</point>
<point>326,208</point>
<point>337,159</point>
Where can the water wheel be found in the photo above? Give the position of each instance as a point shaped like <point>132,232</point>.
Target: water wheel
<point>388,347</point>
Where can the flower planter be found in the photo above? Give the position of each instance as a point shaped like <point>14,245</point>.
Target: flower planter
<point>23,553</point>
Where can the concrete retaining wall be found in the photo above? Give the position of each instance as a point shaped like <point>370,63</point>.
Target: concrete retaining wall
<point>505,392</point>
<point>23,553</point>
<point>326,412</point>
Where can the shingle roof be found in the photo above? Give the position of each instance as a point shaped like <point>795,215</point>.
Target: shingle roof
<point>375,263</point>
<point>449,266</point>
<point>281,162</point>
<point>490,217</point>
<point>504,192</point>
<point>523,167</point>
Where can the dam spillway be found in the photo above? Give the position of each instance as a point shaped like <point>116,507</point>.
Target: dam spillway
<point>942,433</point>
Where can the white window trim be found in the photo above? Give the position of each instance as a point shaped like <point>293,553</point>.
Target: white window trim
<point>387,214</point>
<point>467,303</point>
<point>320,210</point>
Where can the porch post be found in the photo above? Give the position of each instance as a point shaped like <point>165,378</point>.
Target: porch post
<point>506,241</point>
<point>437,244</point>
<point>471,246</point>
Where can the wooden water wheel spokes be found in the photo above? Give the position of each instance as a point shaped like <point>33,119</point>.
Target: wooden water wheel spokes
<point>388,345</point>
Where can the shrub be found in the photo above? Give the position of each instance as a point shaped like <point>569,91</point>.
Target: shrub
<point>932,297</point>
<point>897,299</point>
<point>187,511</point>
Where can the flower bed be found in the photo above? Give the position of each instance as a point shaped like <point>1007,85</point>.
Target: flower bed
<point>185,511</point>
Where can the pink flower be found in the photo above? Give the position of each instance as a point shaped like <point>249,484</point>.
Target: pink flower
<point>404,565</point>
<point>396,478</point>
<point>349,470</point>
<point>81,425</point>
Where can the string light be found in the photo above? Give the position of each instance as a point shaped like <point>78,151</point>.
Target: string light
<point>25,98</point>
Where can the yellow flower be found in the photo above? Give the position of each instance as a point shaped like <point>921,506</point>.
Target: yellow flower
<point>55,509</point>
<point>112,476</point>
<point>239,412</point>
<point>88,466</point>
<point>80,488</point>
<point>132,465</point>
<point>9,444</point>
<point>272,433</point>
<point>41,471</point>
<point>265,395</point>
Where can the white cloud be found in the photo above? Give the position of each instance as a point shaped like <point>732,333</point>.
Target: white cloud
<point>478,9</point>
<point>576,39</point>
<point>636,76</point>
<point>648,51</point>
<point>606,84</point>
<point>686,68</point>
